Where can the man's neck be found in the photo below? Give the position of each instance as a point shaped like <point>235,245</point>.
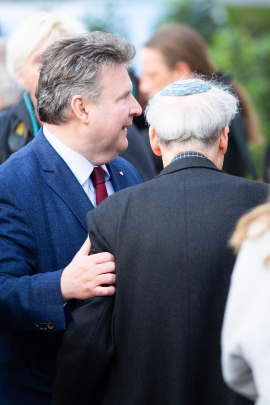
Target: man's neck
<point>70,134</point>
<point>169,154</point>
<point>65,134</point>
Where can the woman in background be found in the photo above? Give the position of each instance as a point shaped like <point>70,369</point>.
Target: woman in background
<point>176,52</point>
<point>20,124</point>
<point>246,328</point>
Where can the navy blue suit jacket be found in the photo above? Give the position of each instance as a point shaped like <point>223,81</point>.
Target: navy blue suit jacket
<point>43,224</point>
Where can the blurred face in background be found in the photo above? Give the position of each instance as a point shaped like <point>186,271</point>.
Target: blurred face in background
<point>30,74</point>
<point>157,74</point>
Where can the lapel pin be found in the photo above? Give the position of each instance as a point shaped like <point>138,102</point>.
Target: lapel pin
<point>122,174</point>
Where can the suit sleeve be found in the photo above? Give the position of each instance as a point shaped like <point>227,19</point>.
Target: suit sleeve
<point>27,299</point>
<point>84,358</point>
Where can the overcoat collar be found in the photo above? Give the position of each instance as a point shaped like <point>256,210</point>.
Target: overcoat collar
<point>188,163</point>
<point>62,181</point>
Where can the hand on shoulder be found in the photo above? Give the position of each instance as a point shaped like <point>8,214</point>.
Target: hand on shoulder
<point>88,276</point>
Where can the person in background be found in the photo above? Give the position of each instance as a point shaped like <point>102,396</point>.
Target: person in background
<point>10,91</point>
<point>158,340</point>
<point>175,52</point>
<point>21,123</point>
<point>246,328</point>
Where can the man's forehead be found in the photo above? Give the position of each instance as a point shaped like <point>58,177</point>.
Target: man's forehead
<point>114,70</point>
<point>116,79</point>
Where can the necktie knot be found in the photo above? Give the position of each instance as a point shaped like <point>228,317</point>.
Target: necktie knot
<point>98,180</point>
<point>97,176</point>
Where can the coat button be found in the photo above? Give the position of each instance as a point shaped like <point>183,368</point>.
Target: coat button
<point>50,325</point>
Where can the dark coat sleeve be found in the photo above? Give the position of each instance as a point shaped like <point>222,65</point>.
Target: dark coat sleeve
<point>84,358</point>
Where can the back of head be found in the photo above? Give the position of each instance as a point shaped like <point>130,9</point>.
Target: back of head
<point>193,119</point>
<point>33,32</point>
<point>73,66</point>
<point>178,42</point>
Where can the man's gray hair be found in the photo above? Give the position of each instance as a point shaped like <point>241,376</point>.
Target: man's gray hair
<point>73,66</point>
<point>196,119</point>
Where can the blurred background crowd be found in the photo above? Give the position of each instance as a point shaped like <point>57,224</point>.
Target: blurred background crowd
<point>231,42</point>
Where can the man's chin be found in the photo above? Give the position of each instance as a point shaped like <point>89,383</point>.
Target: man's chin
<point>113,155</point>
<point>124,146</point>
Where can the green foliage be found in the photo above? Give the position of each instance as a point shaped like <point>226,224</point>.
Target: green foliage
<point>204,16</point>
<point>247,58</point>
<point>254,19</point>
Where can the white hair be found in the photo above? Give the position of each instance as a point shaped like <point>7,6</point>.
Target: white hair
<point>32,32</point>
<point>10,90</point>
<point>196,119</point>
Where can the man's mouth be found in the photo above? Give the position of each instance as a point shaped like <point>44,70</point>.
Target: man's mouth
<point>124,128</point>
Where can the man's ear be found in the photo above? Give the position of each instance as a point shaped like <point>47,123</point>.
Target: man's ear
<point>81,108</point>
<point>223,142</point>
<point>154,141</point>
<point>181,71</point>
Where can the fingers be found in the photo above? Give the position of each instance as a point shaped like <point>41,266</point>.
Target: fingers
<point>85,249</point>
<point>103,257</point>
<point>108,278</point>
<point>104,291</point>
<point>104,268</point>
<point>88,276</point>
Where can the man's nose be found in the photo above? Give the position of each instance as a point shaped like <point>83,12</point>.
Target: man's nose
<point>135,108</point>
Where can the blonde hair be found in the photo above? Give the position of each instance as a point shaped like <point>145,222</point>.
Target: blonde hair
<point>32,32</point>
<point>259,214</point>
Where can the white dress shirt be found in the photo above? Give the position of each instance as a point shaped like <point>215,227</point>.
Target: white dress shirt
<point>246,327</point>
<point>79,165</point>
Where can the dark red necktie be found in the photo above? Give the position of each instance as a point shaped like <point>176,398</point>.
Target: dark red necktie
<point>98,179</point>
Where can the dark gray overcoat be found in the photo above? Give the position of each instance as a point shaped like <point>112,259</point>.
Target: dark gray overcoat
<point>157,342</point>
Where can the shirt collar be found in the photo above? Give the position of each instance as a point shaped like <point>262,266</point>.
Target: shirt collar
<point>79,165</point>
<point>188,154</point>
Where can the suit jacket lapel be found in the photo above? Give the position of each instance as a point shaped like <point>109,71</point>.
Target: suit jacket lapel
<point>117,176</point>
<point>61,180</point>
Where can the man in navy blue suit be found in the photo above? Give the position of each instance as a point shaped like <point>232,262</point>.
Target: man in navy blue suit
<point>85,98</point>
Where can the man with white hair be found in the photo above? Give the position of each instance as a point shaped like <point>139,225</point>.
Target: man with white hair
<point>157,341</point>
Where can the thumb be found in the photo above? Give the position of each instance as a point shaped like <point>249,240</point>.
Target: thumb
<point>85,249</point>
